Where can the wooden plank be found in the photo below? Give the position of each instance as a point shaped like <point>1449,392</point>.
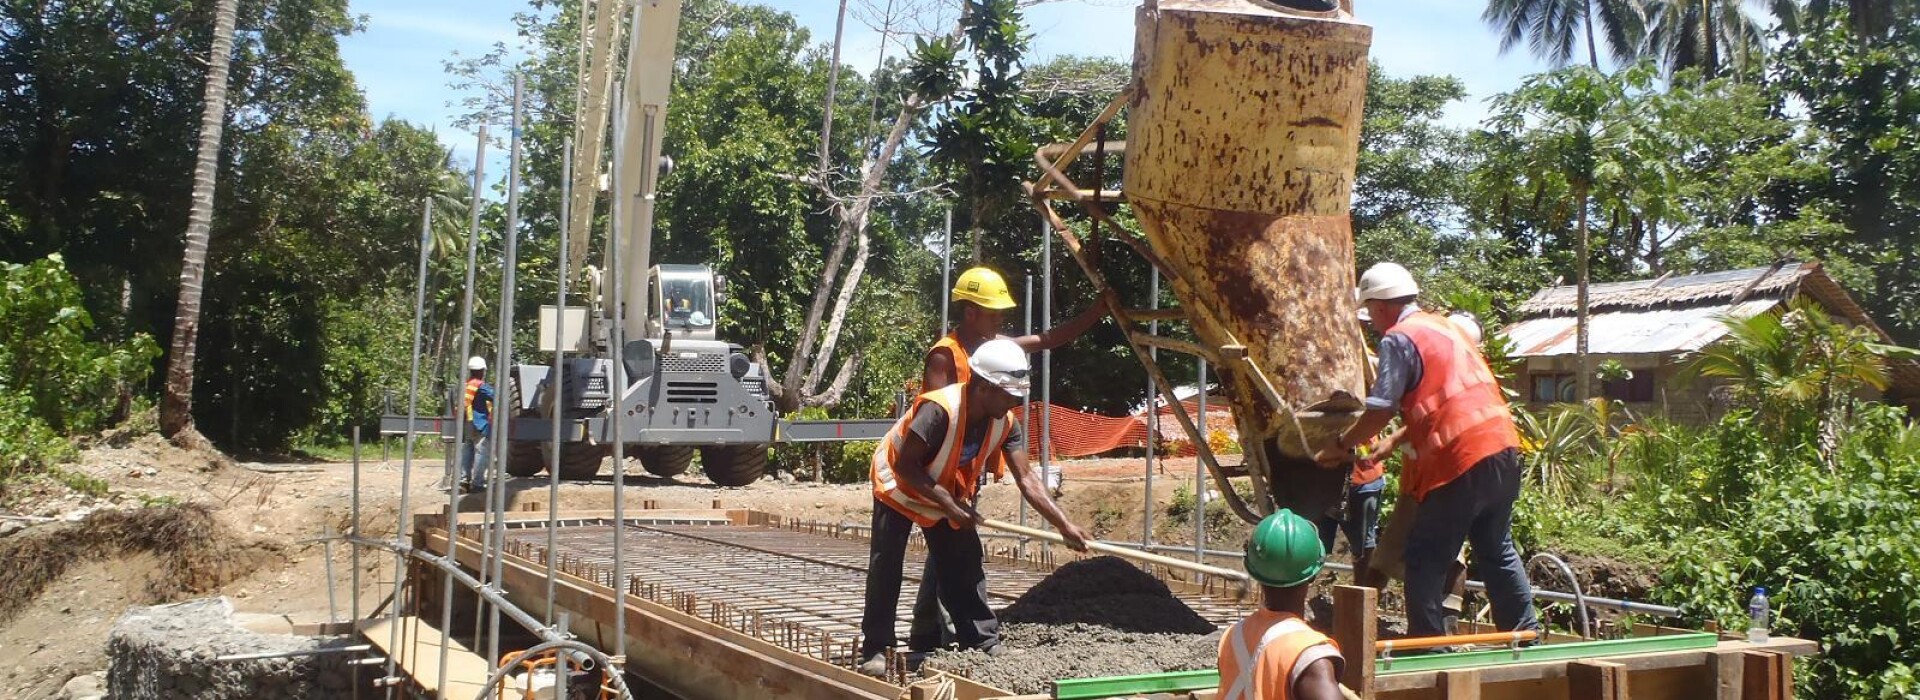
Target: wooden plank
<point>1462,684</point>
<point>1767,676</point>
<point>1728,669</point>
<point>1596,680</point>
<point>418,656</point>
<point>1354,629</point>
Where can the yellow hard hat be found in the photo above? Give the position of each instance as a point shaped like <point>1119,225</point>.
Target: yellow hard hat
<point>984,287</point>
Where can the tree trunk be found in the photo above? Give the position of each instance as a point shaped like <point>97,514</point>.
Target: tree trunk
<point>1583,371</point>
<point>1593,53</point>
<point>1707,30</point>
<point>176,407</point>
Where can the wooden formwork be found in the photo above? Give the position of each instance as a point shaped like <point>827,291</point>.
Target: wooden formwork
<point>698,645</point>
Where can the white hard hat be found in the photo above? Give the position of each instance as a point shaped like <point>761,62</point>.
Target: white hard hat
<point>476,363</point>
<point>1002,362</point>
<point>1386,281</point>
<point>1468,325</point>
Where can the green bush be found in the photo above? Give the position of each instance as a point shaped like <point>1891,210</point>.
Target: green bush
<point>54,379</point>
<point>1839,554</point>
<point>72,382</point>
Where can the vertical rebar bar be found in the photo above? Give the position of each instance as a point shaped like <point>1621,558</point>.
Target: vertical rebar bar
<point>510,261</point>
<point>1199,473</point>
<point>1153,412</point>
<point>326,543</point>
<point>554,381</point>
<point>413,414</point>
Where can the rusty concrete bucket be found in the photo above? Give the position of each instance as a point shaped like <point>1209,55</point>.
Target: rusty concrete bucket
<point>1243,132</point>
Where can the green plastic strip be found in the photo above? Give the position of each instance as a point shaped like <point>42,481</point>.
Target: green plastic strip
<point>1177,681</point>
<point>1545,652</point>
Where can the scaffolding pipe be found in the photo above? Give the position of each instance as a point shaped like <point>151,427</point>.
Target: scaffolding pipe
<point>458,462</point>
<point>413,414</point>
<point>354,552</point>
<point>1152,410</point>
<point>263,656</point>
<point>946,280</point>
<point>555,379</point>
<point>1046,362</point>
<point>1199,475</point>
<point>1027,329</point>
<point>510,262</point>
<point>616,339</point>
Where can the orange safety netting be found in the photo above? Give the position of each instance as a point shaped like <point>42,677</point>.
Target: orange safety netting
<point>1078,434</point>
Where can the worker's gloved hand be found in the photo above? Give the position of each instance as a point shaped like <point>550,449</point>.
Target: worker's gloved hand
<point>1076,538</point>
<point>1332,457</point>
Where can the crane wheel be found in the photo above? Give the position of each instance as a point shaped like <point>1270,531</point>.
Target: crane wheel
<point>665,460</point>
<point>734,465</point>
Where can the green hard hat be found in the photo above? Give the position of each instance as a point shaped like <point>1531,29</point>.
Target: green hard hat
<point>1284,550</point>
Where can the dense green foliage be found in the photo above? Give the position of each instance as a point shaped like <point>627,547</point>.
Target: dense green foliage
<point>54,378</point>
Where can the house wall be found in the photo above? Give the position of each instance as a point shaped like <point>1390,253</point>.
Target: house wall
<point>1682,402</point>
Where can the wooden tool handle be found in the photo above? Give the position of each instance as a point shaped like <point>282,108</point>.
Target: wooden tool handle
<point>1119,551</point>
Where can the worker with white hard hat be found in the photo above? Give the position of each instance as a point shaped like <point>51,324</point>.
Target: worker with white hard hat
<point>926,473</point>
<point>980,302</point>
<point>1465,472</point>
<point>477,402</point>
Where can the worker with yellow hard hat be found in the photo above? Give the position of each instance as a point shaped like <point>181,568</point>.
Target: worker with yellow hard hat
<point>981,299</point>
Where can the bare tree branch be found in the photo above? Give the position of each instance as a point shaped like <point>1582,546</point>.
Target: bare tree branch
<point>838,390</point>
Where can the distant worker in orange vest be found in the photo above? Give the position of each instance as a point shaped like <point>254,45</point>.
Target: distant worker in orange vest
<point>926,473</point>
<point>1465,470</point>
<point>477,401</point>
<point>1273,654</point>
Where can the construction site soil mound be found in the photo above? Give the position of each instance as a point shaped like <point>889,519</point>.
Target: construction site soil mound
<point>1106,592</point>
<point>196,553</point>
<point>1037,654</point>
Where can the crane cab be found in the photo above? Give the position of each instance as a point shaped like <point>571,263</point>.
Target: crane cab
<point>683,300</point>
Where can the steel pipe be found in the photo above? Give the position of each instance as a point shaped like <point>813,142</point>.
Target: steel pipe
<point>354,649</point>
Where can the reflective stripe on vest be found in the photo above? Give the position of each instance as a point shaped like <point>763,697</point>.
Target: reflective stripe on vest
<point>473,388</point>
<point>1456,415</point>
<point>1280,647</point>
<point>944,466</point>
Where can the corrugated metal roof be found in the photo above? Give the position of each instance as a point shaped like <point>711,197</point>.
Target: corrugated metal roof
<point>1653,331</point>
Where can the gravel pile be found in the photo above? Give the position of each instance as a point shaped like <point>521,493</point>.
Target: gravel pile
<point>1106,592</point>
<point>1038,654</point>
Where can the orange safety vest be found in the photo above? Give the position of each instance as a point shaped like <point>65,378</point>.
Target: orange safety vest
<point>1456,415</point>
<point>961,480</point>
<point>1263,655</point>
<point>962,373</point>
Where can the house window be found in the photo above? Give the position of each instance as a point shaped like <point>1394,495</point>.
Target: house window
<point>1550,388</point>
<point>1638,388</point>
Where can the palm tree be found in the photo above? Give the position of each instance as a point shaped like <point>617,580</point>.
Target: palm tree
<point>1714,36</point>
<point>176,407</point>
<point>1798,369</point>
<point>1551,28</point>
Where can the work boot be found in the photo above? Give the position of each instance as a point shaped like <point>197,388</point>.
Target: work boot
<point>875,665</point>
<point>915,659</point>
<point>995,650</point>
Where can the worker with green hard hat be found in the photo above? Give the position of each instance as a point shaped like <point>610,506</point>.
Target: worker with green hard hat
<point>1273,654</point>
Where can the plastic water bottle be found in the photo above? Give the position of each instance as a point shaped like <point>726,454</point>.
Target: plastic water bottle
<point>1757,609</point>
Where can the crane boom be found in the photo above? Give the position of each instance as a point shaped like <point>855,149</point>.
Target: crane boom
<point>640,124</point>
<point>600,33</point>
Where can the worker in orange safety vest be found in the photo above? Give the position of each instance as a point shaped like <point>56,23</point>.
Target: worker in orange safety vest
<point>1273,654</point>
<point>1465,472</point>
<point>925,473</point>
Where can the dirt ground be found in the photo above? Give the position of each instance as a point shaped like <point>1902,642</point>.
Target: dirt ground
<point>62,632</point>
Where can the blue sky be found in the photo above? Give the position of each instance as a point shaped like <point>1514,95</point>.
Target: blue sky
<point>399,59</point>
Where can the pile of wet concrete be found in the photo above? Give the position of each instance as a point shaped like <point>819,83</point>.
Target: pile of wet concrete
<point>1090,618</point>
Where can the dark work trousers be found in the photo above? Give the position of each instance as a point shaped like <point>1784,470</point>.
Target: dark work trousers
<point>961,581</point>
<point>930,629</point>
<point>1477,507</point>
